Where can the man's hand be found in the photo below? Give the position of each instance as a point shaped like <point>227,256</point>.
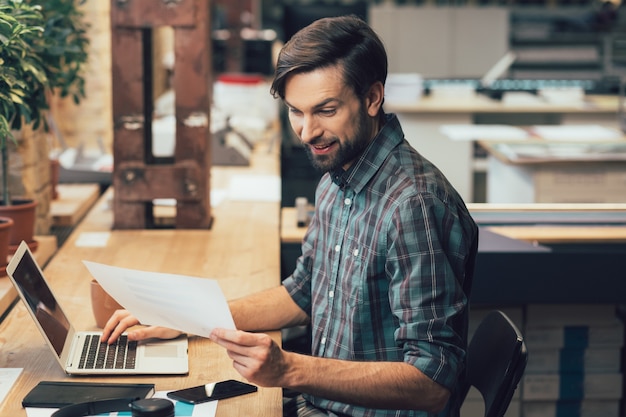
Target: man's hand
<point>122,320</point>
<point>372,384</point>
<point>255,356</point>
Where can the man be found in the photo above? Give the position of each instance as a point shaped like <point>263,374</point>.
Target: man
<point>387,260</point>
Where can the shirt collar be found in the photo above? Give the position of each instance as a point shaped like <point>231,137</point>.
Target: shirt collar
<point>338,176</point>
<point>364,168</point>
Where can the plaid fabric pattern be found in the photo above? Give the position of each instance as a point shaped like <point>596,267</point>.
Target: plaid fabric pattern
<point>387,266</point>
<point>299,407</point>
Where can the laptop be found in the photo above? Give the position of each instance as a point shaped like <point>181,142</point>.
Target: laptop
<point>81,352</point>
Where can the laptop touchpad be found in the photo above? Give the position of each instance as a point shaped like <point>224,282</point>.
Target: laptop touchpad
<point>158,350</point>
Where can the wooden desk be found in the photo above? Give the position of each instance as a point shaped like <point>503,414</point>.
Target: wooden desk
<point>553,231</point>
<point>241,251</point>
<point>289,230</point>
<point>564,234</point>
<point>73,202</point>
<point>480,104</point>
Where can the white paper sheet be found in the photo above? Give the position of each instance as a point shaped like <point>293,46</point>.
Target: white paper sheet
<point>577,133</point>
<point>8,376</point>
<point>181,409</point>
<point>189,304</point>
<point>465,132</point>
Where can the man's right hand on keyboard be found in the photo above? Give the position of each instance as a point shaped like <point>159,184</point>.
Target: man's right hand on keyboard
<point>121,320</point>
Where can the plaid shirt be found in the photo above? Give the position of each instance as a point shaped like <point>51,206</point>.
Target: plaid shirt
<point>386,267</point>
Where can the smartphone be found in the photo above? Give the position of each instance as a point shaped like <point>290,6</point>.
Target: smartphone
<point>212,391</point>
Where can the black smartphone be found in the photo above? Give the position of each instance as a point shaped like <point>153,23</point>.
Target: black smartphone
<point>212,391</point>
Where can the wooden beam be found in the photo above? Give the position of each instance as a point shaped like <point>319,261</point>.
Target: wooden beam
<point>139,14</point>
<point>138,176</point>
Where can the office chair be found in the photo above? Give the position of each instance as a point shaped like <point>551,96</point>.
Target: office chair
<point>496,359</point>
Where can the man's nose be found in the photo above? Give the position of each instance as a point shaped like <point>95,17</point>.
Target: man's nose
<point>311,129</point>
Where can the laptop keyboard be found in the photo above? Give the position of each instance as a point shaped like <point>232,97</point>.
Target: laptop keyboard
<point>100,355</point>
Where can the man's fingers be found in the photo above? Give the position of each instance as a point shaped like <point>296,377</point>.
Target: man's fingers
<point>224,337</point>
<point>119,321</point>
<point>153,332</point>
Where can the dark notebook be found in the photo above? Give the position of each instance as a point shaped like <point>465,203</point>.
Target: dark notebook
<point>56,394</point>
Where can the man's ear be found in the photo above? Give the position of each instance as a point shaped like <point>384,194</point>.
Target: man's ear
<point>374,98</point>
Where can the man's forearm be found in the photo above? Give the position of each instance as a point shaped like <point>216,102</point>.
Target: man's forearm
<point>272,309</point>
<point>385,385</point>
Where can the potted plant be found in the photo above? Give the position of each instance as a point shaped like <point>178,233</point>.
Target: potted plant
<point>6,224</point>
<point>43,46</point>
<point>21,78</point>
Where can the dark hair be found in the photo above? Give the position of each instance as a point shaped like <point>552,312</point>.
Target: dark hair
<point>347,41</point>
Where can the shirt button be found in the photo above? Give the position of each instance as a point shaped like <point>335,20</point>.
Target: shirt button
<point>323,341</point>
<point>355,252</point>
<point>347,201</point>
<point>331,294</point>
<point>337,248</point>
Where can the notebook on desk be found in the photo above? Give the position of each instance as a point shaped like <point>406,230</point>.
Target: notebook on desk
<point>80,352</point>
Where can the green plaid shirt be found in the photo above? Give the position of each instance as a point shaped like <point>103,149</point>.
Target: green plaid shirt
<point>387,265</point>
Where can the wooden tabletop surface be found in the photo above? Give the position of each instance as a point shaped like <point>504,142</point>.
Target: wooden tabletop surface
<point>72,203</point>
<point>241,251</point>
<point>592,104</point>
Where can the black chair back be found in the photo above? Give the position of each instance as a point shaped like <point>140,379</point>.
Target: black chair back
<point>496,360</point>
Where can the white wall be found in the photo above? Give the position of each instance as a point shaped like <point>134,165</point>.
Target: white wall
<point>442,42</point>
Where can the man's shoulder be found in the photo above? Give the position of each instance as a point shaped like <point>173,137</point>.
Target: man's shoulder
<point>409,177</point>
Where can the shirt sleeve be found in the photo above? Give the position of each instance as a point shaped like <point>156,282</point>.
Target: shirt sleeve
<point>425,264</point>
<point>298,284</point>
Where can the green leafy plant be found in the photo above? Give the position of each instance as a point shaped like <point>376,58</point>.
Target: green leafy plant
<point>63,46</point>
<point>22,74</point>
<point>43,49</point>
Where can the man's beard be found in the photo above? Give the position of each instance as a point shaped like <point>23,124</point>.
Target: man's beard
<point>349,149</point>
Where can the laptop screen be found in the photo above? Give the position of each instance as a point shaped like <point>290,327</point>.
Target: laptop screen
<point>41,301</point>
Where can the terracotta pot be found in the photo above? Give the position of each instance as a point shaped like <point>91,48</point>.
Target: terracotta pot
<point>23,214</point>
<point>6,224</point>
<point>102,304</point>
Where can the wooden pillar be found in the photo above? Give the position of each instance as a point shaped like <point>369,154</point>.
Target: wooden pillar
<point>235,13</point>
<point>138,176</point>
